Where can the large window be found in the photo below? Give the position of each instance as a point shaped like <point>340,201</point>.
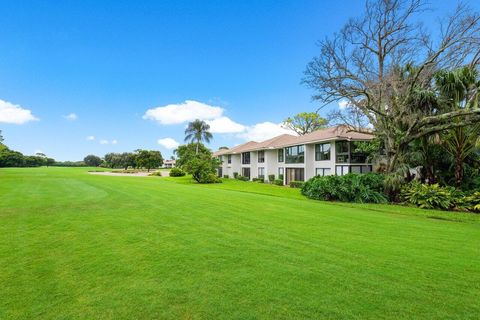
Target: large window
<point>295,154</point>
<point>229,158</point>
<point>280,173</point>
<point>356,156</point>
<point>261,156</point>
<point>246,158</point>
<point>322,172</point>
<point>342,151</point>
<point>295,174</point>
<point>322,151</point>
<point>280,155</point>
<point>261,173</point>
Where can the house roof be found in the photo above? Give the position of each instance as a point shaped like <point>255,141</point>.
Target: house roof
<point>237,149</point>
<point>333,133</point>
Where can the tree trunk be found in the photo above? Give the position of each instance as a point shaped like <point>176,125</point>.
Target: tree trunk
<point>458,170</point>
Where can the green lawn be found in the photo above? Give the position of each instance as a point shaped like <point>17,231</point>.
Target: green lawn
<point>75,245</point>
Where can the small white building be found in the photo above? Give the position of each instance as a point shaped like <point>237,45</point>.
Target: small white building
<point>169,164</point>
<point>297,158</point>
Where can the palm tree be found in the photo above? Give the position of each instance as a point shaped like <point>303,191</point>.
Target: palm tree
<point>460,89</point>
<point>196,132</point>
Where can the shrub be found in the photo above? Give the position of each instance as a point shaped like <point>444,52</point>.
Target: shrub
<point>176,172</point>
<point>361,188</point>
<point>278,182</point>
<point>473,201</point>
<point>235,175</point>
<point>156,173</point>
<point>202,169</point>
<point>280,177</point>
<point>271,178</point>
<point>296,184</point>
<point>226,176</point>
<point>259,180</point>
<point>430,196</point>
<point>242,178</point>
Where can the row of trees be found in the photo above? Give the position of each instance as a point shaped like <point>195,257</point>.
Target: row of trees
<point>417,91</point>
<point>11,158</point>
<point>147,159</point>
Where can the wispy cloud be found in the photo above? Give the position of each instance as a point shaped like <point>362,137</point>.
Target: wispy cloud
<point>71,117</point>
<point>91,138</point>
<point>103,141</point>
<point>183,112</point>
<point>14,114</point>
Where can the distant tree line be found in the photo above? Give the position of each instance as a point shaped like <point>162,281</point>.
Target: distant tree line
<point>12,158</point>
<point>148,159</point>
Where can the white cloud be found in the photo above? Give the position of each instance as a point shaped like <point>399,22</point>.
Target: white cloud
<point>91,138</point>
<point>71,117</point>
<point>168,143</point>
<point>38,151</point>
<point>342,104</point>
<point>183,112</point>
<point>114,141</point>
<point>15,114</point>
<point>264,131</point>
<point>225,125</point>
<point>103,141</point>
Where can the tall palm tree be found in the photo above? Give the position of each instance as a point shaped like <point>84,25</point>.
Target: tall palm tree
<point>460,89</point>
<point>196,132</point>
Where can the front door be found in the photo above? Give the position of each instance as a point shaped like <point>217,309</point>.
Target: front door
<point>294,174</point>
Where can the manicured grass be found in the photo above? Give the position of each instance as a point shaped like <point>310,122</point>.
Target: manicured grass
<point>74,245</point>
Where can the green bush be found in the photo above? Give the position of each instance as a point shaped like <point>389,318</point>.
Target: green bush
<point>226,176</point>
<point>242,178</point>
<point>271,178</point>
<point>156,173</point>
<point>296,184</point>
<point>235,175</point>
<point>473,201</point>
<point>278,182</point>
<point>259,180</point>
<point>280,177</point>
<point>176,172</point>
<point>429,196</point>
<point>361,188</point>
<point>438,197</point>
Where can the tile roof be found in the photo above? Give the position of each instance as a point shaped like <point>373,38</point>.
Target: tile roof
<point>285,140</point>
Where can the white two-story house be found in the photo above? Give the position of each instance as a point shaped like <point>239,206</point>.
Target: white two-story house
<point>297,158</point>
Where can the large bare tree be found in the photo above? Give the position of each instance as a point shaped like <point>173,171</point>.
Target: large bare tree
<point>384,63</point>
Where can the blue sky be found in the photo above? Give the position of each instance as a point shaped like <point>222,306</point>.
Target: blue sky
<point>89,71</point>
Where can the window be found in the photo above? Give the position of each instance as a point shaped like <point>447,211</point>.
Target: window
<point>261,173</point>
<point>294,154</point>
<point>246,158</point>
<point>341,149</point>
<point>361,169</point>
<point>322,172</point>
<point>356,156</point>
<point>280,173</point>
<point>261,156</point>
<point>295,174</point>
<point>246,172</point>
<point>322,151</point>
<point>229,158</point>
<point>280,155</point>
<point>342,170</point>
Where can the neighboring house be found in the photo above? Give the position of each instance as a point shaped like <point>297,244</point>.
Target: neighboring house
<point>169,164</point>
<point>297,158</point>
